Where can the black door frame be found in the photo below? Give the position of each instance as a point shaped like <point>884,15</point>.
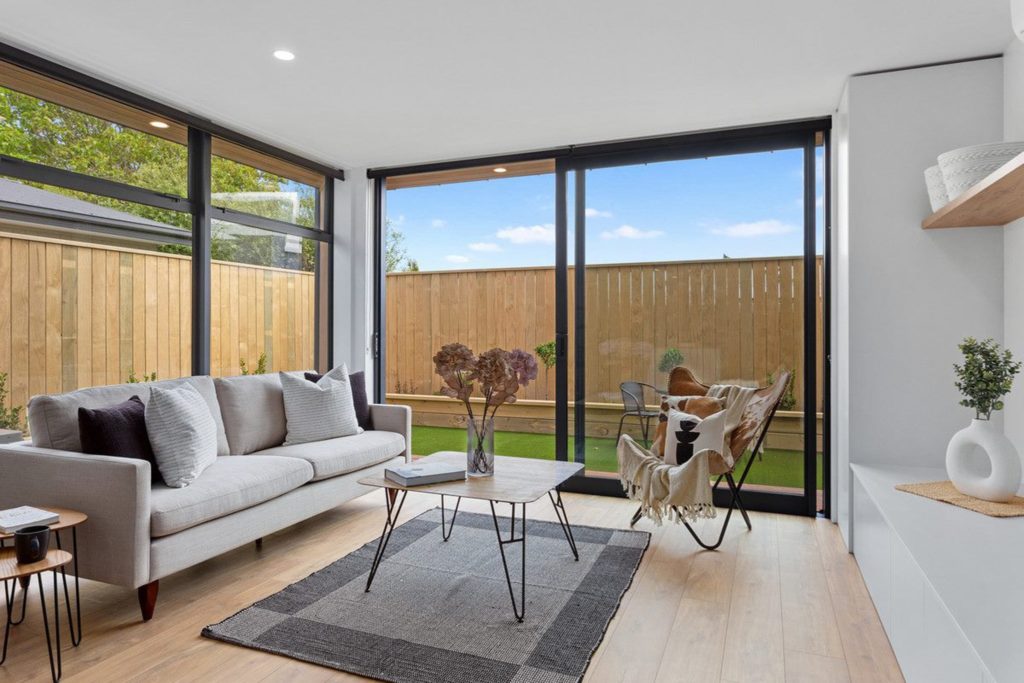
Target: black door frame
<point>801,134</point>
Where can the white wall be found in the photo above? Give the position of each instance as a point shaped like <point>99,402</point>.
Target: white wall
<point>912,294</point>
<point>353,270</point>
<point>1013,242</point>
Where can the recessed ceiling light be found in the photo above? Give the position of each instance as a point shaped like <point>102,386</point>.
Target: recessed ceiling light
<point>500,169</point>
<point>284,55</point>
<point>159,124</point>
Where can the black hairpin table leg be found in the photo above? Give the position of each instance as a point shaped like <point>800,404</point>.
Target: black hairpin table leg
<point>55,671</point>
<point>563,520</point>
<point>9,600</point>
<point>385,536</point>
<point>75,623</point>
<point>446,531</point>
<point>520,610</point>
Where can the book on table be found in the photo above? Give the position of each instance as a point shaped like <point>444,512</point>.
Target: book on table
<point>417,474</point>
<point>25,516</point>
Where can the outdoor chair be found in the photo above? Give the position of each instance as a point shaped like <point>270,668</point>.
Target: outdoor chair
<point>754,424</point>
<point>634,405</point>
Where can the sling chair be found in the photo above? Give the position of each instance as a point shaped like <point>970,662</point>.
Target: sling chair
<point>757,417</point>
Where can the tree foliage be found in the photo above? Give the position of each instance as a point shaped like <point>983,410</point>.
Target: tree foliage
<point>395,255</point>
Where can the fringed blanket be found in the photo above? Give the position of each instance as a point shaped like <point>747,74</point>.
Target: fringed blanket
<point>676,492</point>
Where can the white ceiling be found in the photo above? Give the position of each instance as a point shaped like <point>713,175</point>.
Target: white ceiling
<point>385,82</point>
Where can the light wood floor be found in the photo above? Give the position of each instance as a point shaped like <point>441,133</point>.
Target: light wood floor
<point>782,603</point>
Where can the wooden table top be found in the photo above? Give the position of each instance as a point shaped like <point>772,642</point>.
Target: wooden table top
<point>10,569</point>
<point>68,519</point>
<point>515,480</point>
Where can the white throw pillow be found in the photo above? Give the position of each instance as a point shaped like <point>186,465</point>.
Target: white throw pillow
<point>687,435</point>
<point>182,432</point>
<point>324,410</point>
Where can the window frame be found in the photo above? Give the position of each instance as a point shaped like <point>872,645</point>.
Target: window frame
<point>204,139</point>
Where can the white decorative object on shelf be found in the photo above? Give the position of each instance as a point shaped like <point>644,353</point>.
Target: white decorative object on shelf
<point>983,463</point>
<point>965,167</point>
<point>936,187</point>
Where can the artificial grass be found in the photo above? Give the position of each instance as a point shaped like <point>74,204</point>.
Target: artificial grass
<point>775,467</point>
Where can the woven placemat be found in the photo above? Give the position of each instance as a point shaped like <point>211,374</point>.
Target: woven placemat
<point>945,492</point>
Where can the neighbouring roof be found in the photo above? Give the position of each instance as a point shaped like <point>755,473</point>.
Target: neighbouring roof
<point>19,193</point>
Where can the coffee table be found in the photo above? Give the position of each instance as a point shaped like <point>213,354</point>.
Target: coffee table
<point>516,481</point>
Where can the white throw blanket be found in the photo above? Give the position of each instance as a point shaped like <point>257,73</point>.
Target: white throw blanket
<point>736,400</point>
<point>679,492</point>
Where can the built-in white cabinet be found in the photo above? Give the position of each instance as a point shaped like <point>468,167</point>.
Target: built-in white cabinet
<point>940,578</point>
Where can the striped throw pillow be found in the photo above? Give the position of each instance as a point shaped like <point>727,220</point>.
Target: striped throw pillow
<point>319,410</point>
<point>182,433</point>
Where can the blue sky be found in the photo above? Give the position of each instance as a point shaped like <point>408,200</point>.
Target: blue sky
<point>745,205</point>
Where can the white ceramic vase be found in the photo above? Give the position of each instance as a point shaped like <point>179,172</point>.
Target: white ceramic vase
<point>983,463</point>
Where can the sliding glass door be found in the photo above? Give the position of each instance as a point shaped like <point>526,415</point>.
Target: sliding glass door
<point>705,261</point>
<point>615,265</point>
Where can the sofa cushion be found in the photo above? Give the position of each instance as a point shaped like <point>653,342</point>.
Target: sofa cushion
<point>228,485</point>
<point>356,380</point>
<point>344,454</point>
<point>118,431</point>
<point>318,411</point>
<point>253,410</point>
<point>53,419</point>
<point>182,433</point>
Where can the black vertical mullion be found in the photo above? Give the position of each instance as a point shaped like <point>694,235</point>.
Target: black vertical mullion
<point>199,196</point>
<point>810,333</point>
<point>378,344</point>
<point>561,314</point>
<point>580,323</point>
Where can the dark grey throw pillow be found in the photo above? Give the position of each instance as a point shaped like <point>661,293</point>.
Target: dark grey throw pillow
<point>118,430</point>
<point>357,380</point>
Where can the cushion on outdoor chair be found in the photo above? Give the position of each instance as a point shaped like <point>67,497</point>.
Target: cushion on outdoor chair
<point>700,406</point>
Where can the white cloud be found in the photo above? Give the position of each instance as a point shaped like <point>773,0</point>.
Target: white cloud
<point>524,234</point>
<point>630,233</point>
<point>484,246</point>
<point>763,228</point>
<point>597,213</point>
<point>438,223</point>
<point>456,258</point>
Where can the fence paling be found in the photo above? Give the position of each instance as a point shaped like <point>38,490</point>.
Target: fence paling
<point>733,319</point>
<point>75,315</point>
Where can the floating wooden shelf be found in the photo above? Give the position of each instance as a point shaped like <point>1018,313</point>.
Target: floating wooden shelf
<point>996,200</point>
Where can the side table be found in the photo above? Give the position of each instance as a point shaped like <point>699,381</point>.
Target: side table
<point>69,519</point>
<point>11,571</point>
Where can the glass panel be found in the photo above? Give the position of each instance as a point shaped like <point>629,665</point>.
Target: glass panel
<point>263,301</point>
<point>77,312</point>
<point>260,192</point>
<point>46,133</point>
<point>472,261</point>
<point>696,263</point>
<point>50,197</point>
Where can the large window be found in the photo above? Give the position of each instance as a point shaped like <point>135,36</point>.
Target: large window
<point>98,281</point>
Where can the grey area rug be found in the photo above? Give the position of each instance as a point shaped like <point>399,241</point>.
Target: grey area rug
<point>440,612</point>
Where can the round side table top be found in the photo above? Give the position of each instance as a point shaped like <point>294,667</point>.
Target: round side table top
<point>10,569</point>
<point>68,519</point>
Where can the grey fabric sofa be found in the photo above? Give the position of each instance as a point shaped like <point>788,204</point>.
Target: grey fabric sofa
<point>139,532</point>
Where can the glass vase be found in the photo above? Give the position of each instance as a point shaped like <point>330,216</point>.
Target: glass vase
<point>480,449</point>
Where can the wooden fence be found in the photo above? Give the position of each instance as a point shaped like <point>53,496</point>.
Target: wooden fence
<point>732,319</point>
<point>75,315</point>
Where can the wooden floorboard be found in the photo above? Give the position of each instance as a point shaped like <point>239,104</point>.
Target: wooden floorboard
<point>784,602</point>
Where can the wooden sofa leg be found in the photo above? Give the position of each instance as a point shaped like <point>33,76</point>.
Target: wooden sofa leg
<point>147,599</point>
<point>259,543</point>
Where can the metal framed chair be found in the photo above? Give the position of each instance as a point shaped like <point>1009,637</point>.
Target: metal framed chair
<point>634,405</point>
<point>757,418</point>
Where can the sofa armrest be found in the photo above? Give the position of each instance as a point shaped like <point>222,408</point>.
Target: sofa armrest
<point>113,544</point>
<point>394,418</point>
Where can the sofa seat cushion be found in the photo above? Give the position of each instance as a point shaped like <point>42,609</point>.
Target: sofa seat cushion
<point>230,484</point>
<point>333,457</point>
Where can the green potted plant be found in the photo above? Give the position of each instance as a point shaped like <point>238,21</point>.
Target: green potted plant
<point>984,378</point>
